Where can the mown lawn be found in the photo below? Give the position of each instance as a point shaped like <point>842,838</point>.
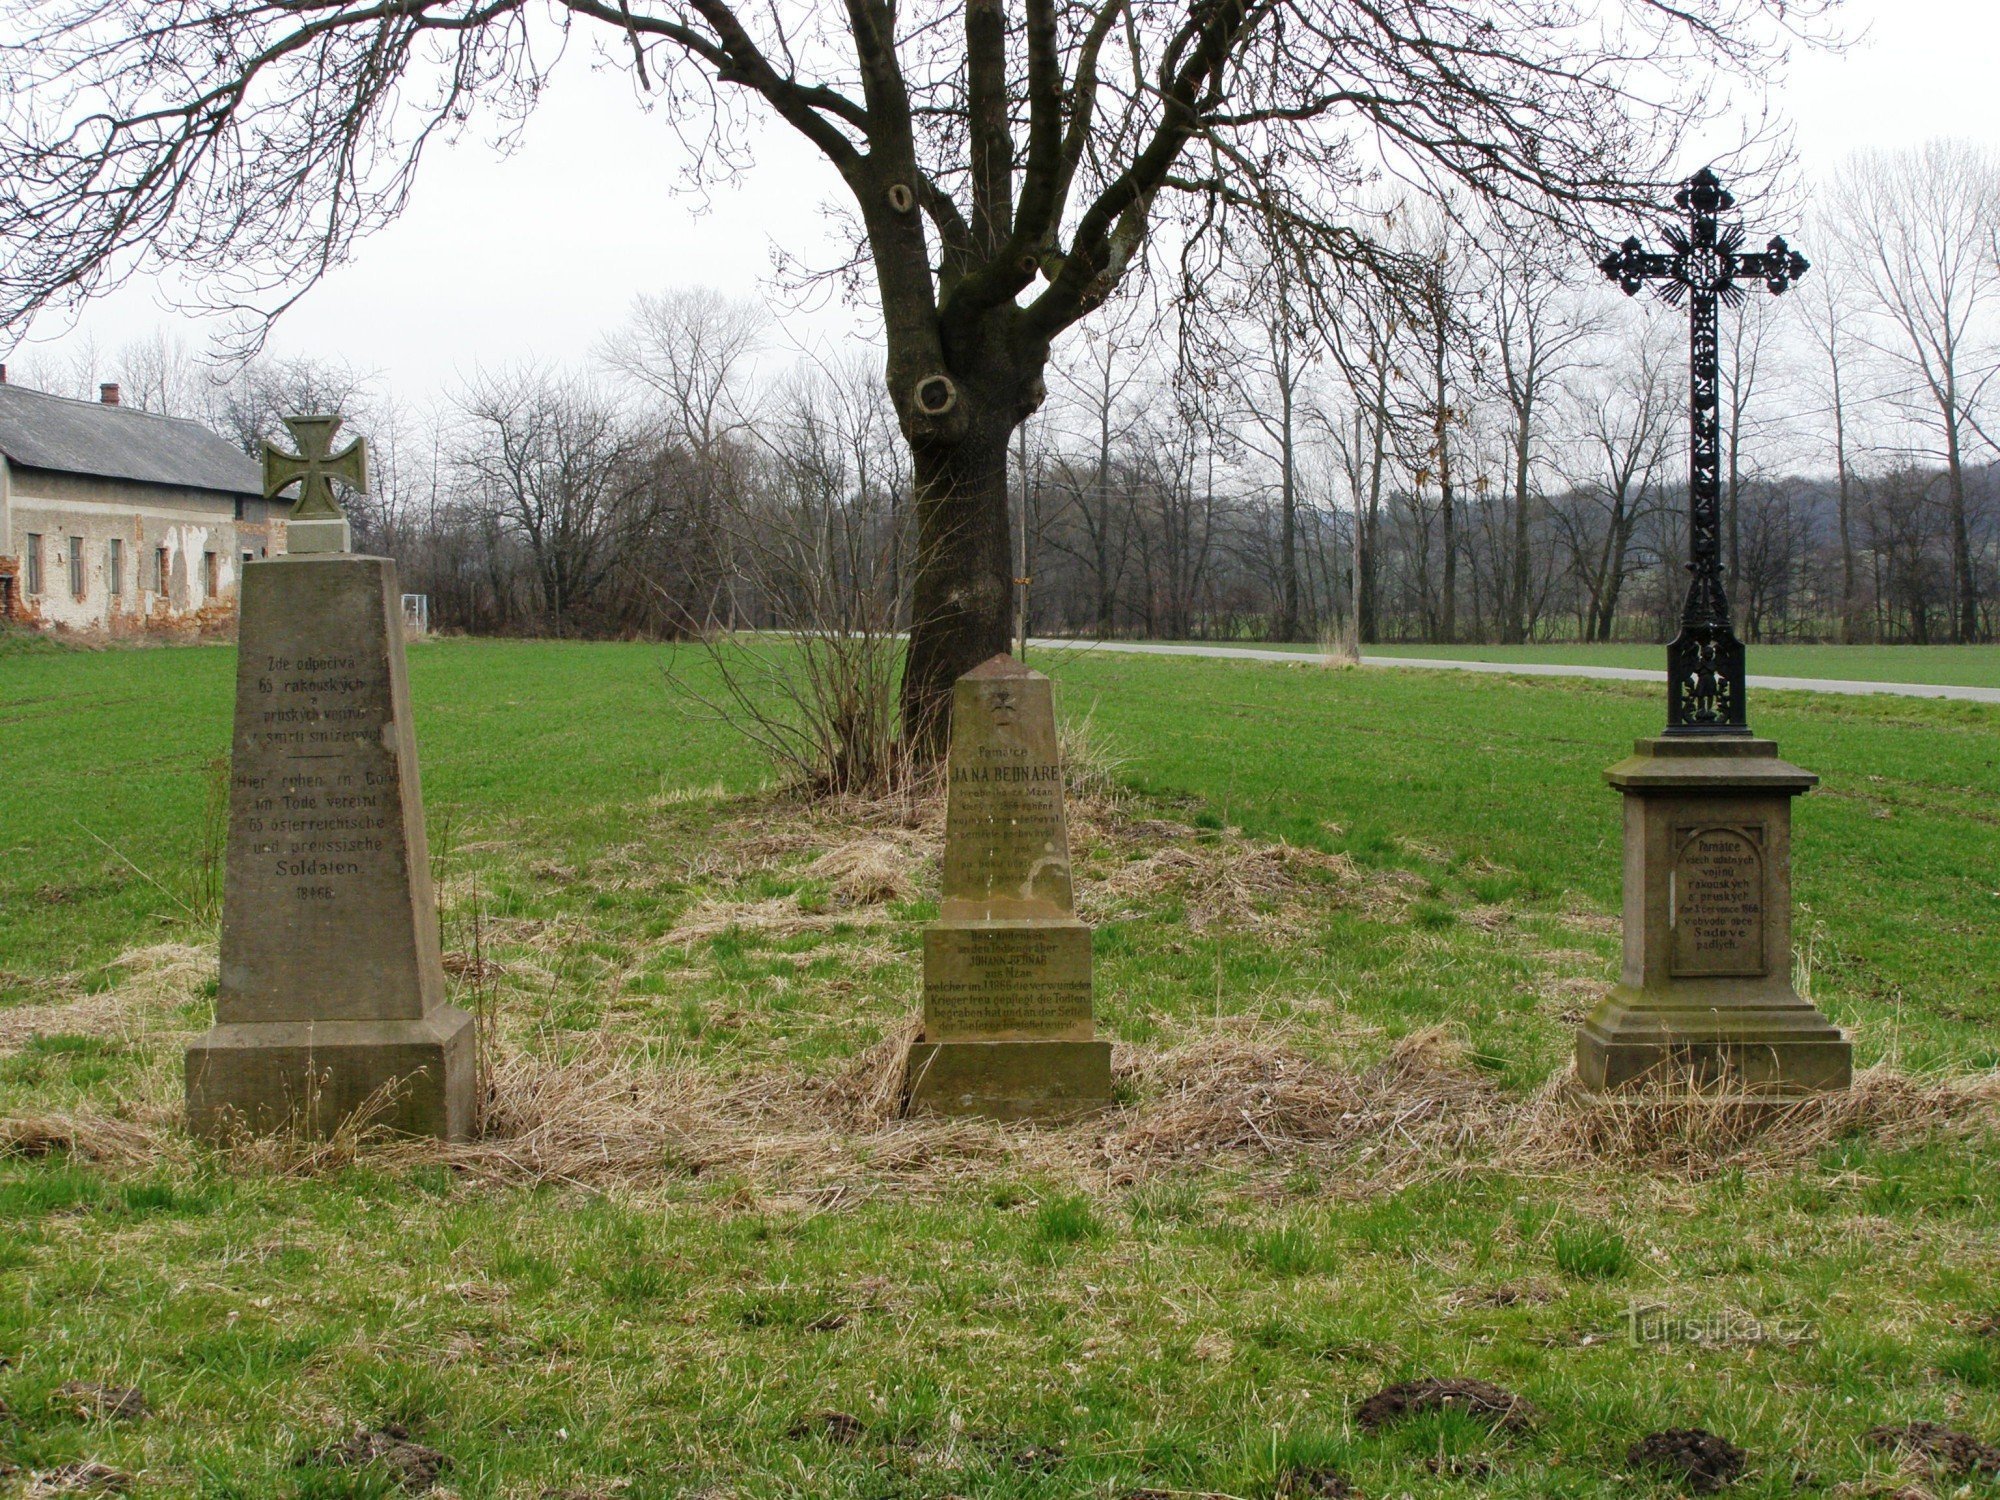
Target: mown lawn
<point>1346,922</point>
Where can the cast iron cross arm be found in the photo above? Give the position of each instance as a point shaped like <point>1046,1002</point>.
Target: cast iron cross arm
<point>1705,266</point>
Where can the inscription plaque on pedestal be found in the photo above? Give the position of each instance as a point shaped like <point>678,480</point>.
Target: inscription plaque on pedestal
<point>331,994</point>
<point>1010,983</point>
<point>1008,1029</point>
<point>1717,899</point>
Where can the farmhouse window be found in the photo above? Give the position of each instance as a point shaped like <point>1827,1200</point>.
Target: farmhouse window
<point>76,566</point>
<point>34,563</point>
<point>114,566</point>
<point>211,574</point>
<point>159,570</point>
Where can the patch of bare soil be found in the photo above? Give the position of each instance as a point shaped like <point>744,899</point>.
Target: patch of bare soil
<point>1479,1398</point>
<point>1316,1484</point>
<point>412,1465</point>
<point>1937,1446</point>
<point>90,1400</point>
<point>1529,1294</point>
<point>1702,1461</point>
<point>835,1426</point>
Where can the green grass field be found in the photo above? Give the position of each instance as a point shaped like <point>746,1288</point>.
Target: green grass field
<point>1346,922</point>
<point>1953,666</point>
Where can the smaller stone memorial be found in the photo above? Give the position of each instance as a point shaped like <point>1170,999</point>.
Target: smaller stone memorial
<point>1008,1029</point>
<point>331,1000</point>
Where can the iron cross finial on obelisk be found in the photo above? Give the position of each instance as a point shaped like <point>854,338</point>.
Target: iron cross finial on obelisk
<point>317,523</point>
<point>1705,673</point>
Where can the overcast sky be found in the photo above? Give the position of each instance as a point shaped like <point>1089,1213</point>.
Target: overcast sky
<point>534,255</point>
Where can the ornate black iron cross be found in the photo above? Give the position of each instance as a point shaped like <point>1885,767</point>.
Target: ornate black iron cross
<point>1705,662</point>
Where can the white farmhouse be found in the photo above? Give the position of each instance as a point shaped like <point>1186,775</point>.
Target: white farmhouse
<point>114,521</point>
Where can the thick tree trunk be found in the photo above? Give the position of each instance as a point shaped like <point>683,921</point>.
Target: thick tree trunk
<point>960,591</point>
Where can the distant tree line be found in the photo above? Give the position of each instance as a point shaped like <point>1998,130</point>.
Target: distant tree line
<point>1493,450</point>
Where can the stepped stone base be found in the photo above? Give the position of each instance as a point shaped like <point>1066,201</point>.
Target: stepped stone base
<point>1756,1049</point>
<point>414,1077</point>
<point>1048,1080</point>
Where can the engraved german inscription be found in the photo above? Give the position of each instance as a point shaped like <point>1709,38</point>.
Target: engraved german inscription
<point>316,784</point>
<point>990,983</point>
<point>327,908</point>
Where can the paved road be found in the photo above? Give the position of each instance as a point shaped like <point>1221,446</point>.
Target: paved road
<point>1528,669</point>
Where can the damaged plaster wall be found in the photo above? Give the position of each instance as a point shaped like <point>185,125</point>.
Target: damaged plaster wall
<point>177,565</point>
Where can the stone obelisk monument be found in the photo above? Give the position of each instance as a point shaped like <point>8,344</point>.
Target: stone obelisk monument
<point>1008,1029</point>
<point>332,988</point>
<point>1706,995</point>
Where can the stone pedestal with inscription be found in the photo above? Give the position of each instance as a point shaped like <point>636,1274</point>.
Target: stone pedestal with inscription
<point>1706,994</point>
<point>1008,1030</point>
<point>332,989</point>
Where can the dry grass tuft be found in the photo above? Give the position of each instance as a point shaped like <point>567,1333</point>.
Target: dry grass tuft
<point>1418,1108</point>
<point>604,1111</point>
<point>604,1116</point>
<point>1690,1133</point>
<point>867,1094</point>
<point>155,980</point>
<point>105,1139</point>
<point>866,872</point>
<point>1232,883</point>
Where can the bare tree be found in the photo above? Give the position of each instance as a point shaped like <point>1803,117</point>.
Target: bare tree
<point>1102,388</point>
<point>251,406</point>
<point>161,373</point>
<point>1830,317</point>
<point>1435,406</point>
<point>1743,356</point>
<point>1538,331</point>
<point>983,147</point>
<point>1262,354</point>
<point>692,352</point>
<point>1628,423</point>
<point>1920,228</point>
<point>549,459</point>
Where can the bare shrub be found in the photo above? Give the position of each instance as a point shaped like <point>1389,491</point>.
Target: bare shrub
<point>816,551</point>
<point>1340,643</point>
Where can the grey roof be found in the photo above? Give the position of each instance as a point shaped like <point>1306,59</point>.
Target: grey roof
<point>40,431</point>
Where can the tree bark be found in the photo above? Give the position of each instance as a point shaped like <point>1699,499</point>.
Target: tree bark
<point>959,601</point>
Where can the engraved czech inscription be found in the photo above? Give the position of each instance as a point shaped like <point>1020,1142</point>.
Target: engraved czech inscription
<point>1718,901</point>
<point>1006,847</point>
